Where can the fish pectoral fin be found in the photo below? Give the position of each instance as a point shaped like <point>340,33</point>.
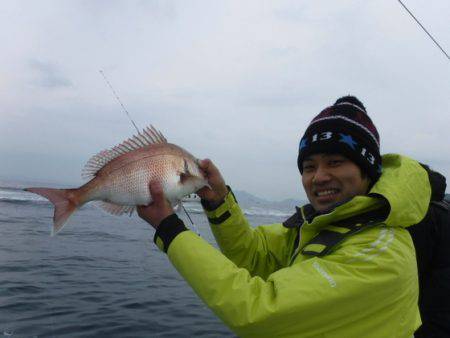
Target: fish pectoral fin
<point>115,209</point>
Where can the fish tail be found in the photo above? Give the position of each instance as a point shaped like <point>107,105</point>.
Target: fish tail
<point>64,201</point>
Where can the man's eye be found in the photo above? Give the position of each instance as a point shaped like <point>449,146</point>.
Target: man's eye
<point>335,163</point>
<point>308,167</point>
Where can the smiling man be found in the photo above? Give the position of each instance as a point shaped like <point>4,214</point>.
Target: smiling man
<point>339,154</point>
<point>342,266</point>
<point>331,178</point>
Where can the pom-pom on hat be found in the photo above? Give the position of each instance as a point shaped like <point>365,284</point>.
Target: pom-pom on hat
<point>344,128</point>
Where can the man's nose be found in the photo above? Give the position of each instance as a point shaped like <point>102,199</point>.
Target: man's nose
<point>321,175</point>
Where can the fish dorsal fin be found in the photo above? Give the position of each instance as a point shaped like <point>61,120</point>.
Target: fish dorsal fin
<point>145,138</point>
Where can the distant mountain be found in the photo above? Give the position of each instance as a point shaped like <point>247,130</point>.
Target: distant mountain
<point>447,197</point>
<point>247,200</point>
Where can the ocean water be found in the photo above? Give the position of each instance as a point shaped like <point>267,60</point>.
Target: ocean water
<point>101,276</point>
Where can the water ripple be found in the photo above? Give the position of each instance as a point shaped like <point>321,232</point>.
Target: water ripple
<point>100,277</point>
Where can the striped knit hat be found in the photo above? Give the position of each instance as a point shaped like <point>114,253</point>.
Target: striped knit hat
<point>344,128</point>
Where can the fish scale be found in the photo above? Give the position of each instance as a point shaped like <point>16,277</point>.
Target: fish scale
<point>129,185</point>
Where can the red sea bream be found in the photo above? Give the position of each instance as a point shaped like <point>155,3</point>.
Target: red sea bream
<point>119,177</point>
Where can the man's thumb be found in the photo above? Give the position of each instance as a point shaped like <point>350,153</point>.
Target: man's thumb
<point>157,192</point>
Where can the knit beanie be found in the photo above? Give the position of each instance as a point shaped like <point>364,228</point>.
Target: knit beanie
<point>344,128</point>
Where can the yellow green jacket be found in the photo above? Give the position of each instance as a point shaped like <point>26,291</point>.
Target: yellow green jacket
<point>366,287</point>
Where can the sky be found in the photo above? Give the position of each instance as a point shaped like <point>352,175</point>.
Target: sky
<point>234,81</point>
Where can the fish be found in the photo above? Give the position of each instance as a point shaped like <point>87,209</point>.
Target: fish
<point>119,177</point>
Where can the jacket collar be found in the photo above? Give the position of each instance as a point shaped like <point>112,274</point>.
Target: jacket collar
<point>378,211</point>
<point>302,214</point>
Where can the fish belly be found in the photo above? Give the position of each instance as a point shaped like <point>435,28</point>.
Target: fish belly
<point>130,189</point>
<point>129,185</point>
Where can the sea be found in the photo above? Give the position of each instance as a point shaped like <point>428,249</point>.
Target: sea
<point>101,276</point>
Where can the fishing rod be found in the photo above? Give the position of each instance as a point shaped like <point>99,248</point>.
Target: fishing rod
<point>425,30</point>
<point>118,100</point>
<point>135,126</point>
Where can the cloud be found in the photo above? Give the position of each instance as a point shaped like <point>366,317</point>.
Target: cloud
<point>235,81</point>
<point>48,75</point>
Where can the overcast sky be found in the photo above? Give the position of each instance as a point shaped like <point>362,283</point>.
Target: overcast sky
<point>235,81</point>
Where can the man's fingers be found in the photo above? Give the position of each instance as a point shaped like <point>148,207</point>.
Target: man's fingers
<point>211,172</point>
<point>140,210</point>
<point>204,166</point>
<point>205,192</point>
<point>208,167</point>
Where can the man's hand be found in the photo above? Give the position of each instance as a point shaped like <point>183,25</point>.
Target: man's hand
<point>158,210</point>
<point>216,194</point>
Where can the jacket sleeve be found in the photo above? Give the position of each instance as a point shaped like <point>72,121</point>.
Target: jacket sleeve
<point>261,250</point>
<point>311,297</point>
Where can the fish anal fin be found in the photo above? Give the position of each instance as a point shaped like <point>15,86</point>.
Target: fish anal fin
<point>148,136</point>
<point>115,209</point>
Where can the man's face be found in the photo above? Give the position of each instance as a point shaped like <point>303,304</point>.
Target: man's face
<point>331,178</point>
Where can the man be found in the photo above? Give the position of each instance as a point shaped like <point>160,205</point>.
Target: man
<point>342,266</point>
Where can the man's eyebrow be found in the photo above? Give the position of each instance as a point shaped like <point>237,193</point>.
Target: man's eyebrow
<point>334,155</point>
